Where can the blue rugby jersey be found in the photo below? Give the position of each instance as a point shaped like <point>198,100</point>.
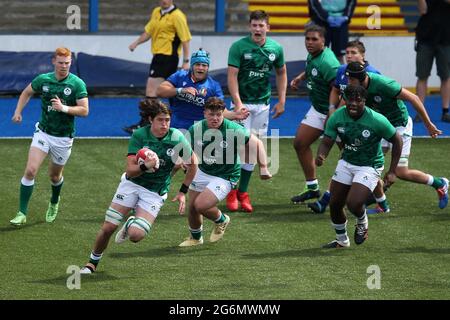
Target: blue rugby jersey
<point>186,108</point>
<point>341,80</point>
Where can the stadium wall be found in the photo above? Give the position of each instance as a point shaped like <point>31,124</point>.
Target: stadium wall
<point>393,56</point>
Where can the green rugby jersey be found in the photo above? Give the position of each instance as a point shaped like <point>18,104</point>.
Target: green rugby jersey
<point>255,65</point>
<point>320,71</point>
<point>381,96</point>
<point>69,90</point>
<point>172,145</point>
<point>218,149</point>
<point>361,137</point>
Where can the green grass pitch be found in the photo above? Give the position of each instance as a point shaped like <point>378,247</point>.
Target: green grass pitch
<point>273,253</point>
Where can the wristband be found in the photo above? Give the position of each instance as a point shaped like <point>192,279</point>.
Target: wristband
<point>143,167</point>
<point>184,188</point>
<point>185,60</point>
<point>64,108</point>
<point>179,90</point>
<point>331,107</point>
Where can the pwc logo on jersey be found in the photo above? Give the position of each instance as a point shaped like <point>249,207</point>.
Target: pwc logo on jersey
<point>67,91</point>
<point>255,74</point>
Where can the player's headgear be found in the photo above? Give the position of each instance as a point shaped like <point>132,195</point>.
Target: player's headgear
<point>200,56</point>
<point>356,70</point>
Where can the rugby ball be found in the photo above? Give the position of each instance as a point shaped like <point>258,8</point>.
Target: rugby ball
<point>144,154</point>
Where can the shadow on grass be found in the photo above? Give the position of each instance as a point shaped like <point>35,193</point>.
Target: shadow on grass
<point>415,250</point>
<point>88,278</point>
<point>309,253</point>
<point>95,219</point>
<point>166,251</point>
<point>18,228</point>
<point>441,215</point>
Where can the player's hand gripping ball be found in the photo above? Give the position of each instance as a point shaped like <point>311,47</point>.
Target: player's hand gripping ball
<point>149,158</point>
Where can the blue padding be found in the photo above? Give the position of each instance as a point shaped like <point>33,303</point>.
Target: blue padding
<point>105,72</point>
<point>107,117</point>
<point>17,69</point>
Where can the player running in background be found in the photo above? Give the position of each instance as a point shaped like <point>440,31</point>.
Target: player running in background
<point>217,141</point>
<point>321,69</point>
<point>250,64</point>
<point>359,169</point>
<point>386,96</point>
<point>63,97</point>
<point>141,190</point>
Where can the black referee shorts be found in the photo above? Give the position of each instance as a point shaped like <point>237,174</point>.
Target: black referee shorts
<point>163,66</point>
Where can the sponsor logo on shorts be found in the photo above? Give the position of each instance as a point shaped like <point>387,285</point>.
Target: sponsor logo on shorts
<point>41,142</point>
<point>120,197</point>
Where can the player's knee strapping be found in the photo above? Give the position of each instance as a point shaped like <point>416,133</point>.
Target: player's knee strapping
<point>113,216</point>
<point>141,224</point>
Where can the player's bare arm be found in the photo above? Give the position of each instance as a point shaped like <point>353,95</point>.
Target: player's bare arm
<point>233,87</point>
<point>80,110</point>
<point>420,108</point>
<point>281,80</point>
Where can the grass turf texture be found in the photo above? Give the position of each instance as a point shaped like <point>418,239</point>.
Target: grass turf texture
<point>272,254</point>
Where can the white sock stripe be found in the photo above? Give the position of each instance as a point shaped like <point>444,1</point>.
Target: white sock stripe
<point>59,182</point>
<point>363,219</point>
<point>27,182</point>
<point>95,256</point>
<point>248,167</point>
<point>220,216</point>
<point>308,183</point>
<point>380,199</point>
<point>339,226</point>
<point>196,230</point>
<point>430,179</point>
